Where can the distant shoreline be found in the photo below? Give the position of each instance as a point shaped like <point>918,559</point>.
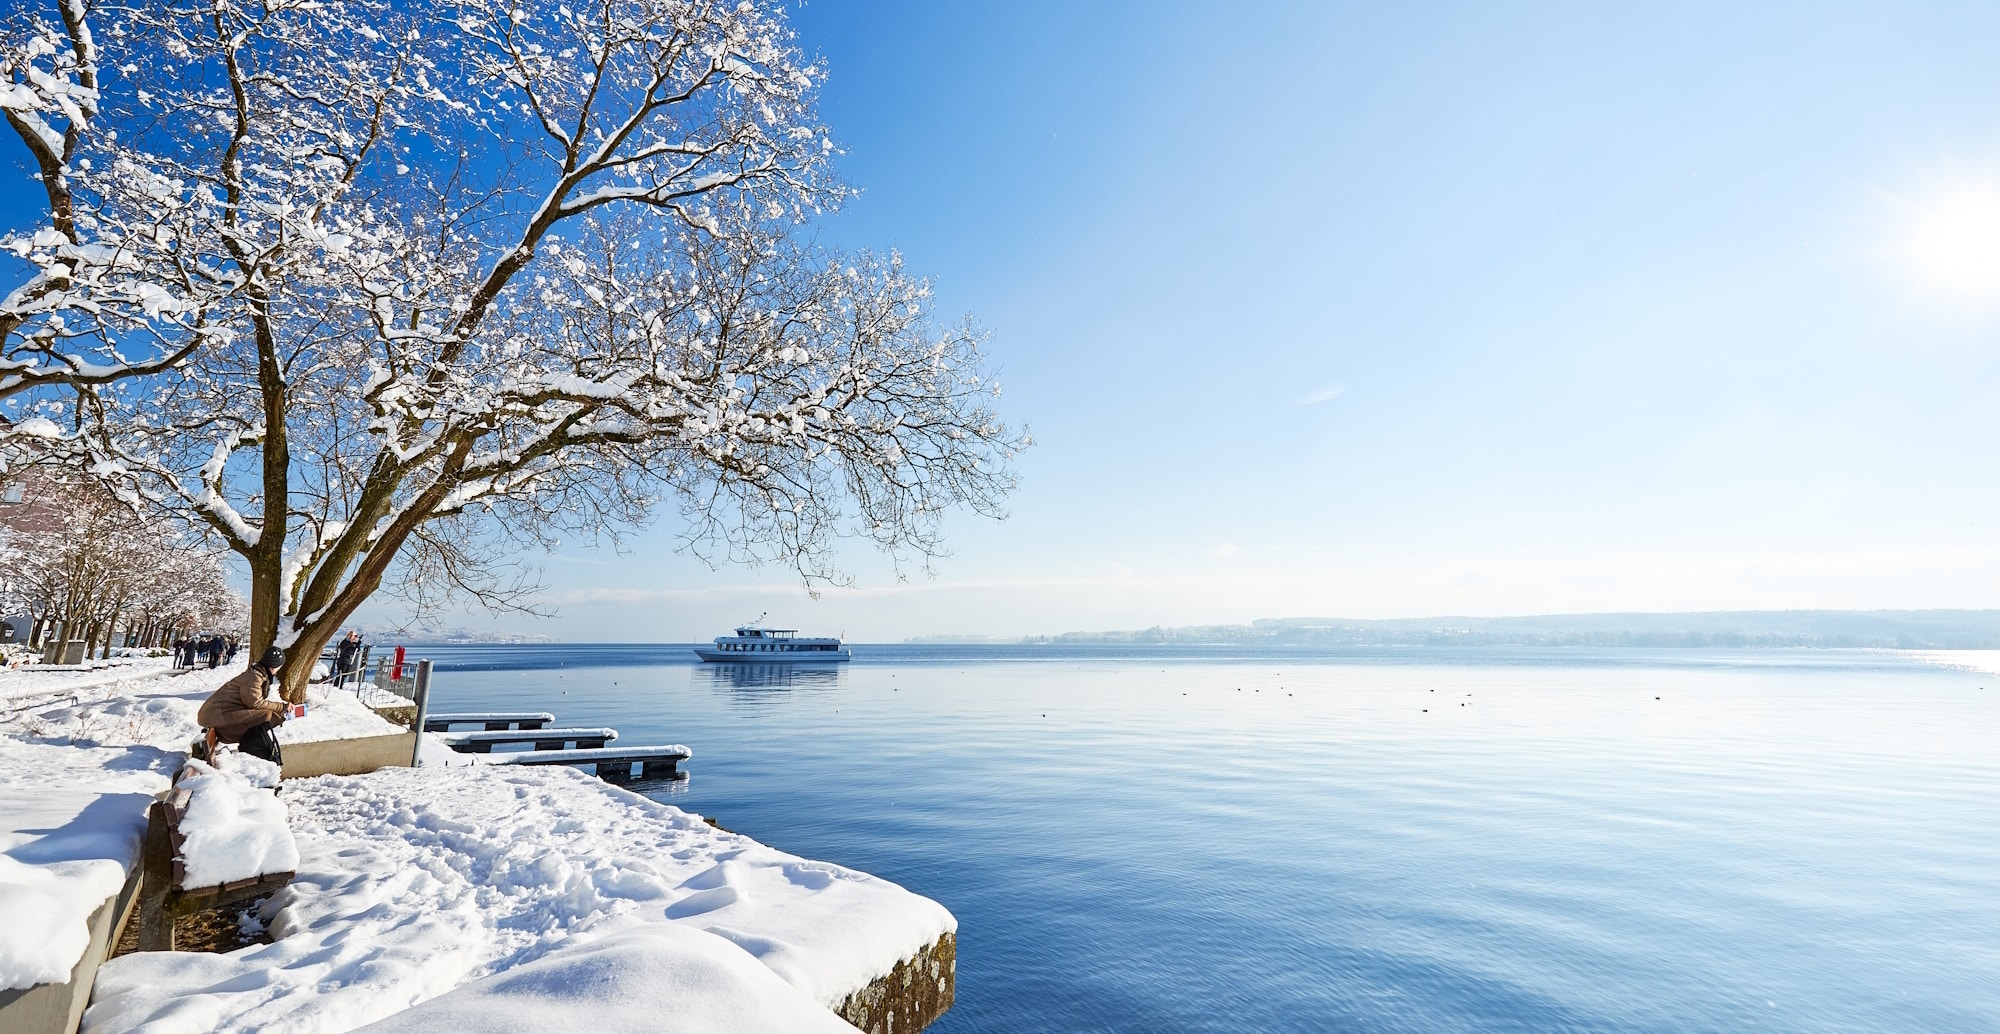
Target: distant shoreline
<point>1750,629</point>
<point>1700,630</point>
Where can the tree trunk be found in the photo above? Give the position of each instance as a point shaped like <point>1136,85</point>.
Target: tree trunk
<point>266,606</point>
<point>303,652</point>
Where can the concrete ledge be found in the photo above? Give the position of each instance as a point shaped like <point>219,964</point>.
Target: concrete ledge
<point>348,757</point>
<point>58,1008</point>
<point>404,715</point>
<point>911,997</point>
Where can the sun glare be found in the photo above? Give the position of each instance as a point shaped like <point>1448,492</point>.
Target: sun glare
<point>1950,240</point>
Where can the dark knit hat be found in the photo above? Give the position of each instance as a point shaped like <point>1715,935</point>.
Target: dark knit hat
<point>273,659</point>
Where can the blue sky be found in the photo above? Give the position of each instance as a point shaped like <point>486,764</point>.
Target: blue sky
<point>1379,310</point>
<point>1384,310</point>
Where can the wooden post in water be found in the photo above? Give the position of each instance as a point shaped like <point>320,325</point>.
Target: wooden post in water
<point>423,702</point>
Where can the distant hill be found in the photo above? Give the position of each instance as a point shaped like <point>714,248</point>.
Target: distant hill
<point>431,636</point>
<point>1892,629</point>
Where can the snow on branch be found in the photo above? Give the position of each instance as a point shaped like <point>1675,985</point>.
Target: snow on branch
<point>377,292</point>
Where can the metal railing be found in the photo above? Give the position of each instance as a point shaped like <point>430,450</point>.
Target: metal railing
<point>385,680</point>
<point>376,684</point>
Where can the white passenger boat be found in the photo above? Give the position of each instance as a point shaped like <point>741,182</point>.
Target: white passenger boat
<point>755,644</point>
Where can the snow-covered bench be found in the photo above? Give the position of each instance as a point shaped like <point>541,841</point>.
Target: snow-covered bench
<point>217,838</point>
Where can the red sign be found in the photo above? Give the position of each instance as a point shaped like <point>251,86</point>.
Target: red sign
<point>398,673</point>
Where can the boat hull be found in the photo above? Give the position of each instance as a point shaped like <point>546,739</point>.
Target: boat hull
<point>715,656</point>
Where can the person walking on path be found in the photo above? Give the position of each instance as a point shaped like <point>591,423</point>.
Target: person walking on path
<point>240,714</point>
<point>214,646</point>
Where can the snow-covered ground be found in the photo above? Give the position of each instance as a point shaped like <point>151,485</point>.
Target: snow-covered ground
<point>148,703</point>
<point>81,755</point>
<point>37,679</point>
<point>624,976</point>
<point>499,897</point>
<point>414,881</point>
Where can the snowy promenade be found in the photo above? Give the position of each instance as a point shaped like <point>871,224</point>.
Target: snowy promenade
<point>489,897</point>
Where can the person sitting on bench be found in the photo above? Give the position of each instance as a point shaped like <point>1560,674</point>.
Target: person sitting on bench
<point>240,714</point>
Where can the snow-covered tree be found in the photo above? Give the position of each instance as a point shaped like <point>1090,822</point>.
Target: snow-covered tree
<point>95,308</point>
<point>434,278</point>
<point>79,560</point>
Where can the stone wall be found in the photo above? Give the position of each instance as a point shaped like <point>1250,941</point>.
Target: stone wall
<point>911,997</point>
<point>58,1008</point>
<point>348,757</point>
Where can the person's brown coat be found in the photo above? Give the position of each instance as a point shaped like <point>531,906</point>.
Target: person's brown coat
<point>239,706</point>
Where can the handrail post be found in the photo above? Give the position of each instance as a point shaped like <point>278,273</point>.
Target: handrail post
<point>423,702</point>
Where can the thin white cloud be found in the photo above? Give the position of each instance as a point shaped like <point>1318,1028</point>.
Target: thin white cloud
<point>1326,394</point>
<point>1226,549</point>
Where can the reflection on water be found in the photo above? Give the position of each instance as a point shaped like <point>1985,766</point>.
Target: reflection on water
<point>675,785</point>
<point>795,675</point>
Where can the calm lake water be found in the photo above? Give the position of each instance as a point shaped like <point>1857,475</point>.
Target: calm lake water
<point>1364,840</point>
